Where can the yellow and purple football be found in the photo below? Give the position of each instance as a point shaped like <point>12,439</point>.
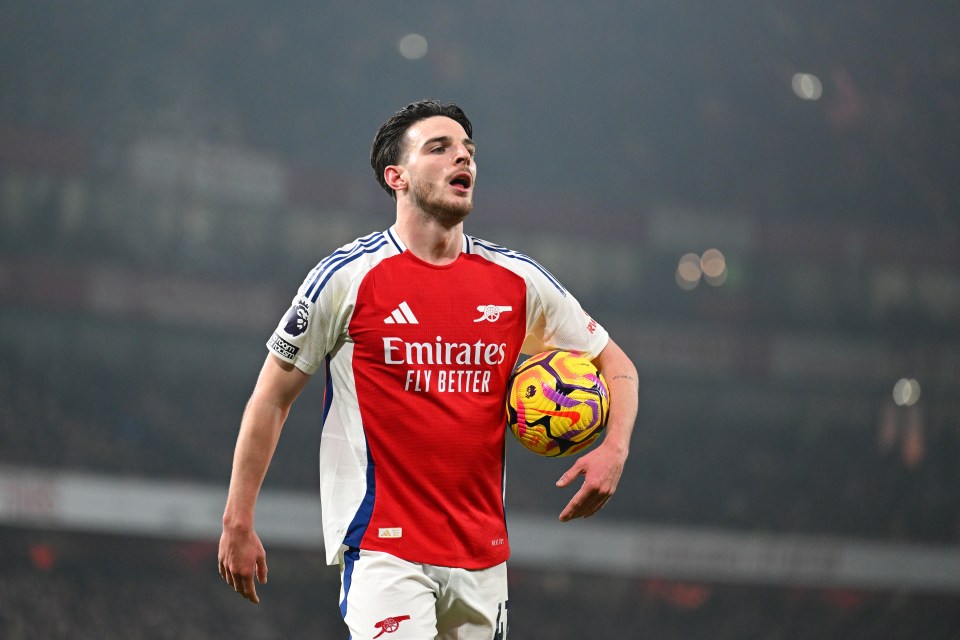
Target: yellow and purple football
<point>557,403</point>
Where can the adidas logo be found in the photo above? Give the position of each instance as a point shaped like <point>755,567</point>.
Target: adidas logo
<point>401,315</point>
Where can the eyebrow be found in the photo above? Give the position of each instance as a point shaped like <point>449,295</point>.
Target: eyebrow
<point>447,140</point>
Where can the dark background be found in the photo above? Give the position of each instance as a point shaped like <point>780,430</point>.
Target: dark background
<point>170,171</point>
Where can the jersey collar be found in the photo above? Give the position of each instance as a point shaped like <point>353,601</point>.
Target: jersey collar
<point>394,237</point>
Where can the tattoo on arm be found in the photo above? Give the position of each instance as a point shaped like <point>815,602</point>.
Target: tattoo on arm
<point>624,376</point>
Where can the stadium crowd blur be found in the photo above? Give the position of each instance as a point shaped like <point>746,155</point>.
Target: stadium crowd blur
<point>169,174</point>
<point>84,587</point>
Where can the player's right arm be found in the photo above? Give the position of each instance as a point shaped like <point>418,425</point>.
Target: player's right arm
<point>241,555</point>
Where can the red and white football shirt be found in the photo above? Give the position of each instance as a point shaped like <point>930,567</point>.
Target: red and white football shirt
<point>417,358</point>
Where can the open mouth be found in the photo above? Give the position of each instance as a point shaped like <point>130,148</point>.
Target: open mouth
<point>461,181</point>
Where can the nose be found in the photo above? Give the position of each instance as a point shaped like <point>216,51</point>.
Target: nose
<point>463,155</point>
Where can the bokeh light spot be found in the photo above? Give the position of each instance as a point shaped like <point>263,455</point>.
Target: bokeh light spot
<point>906,392</point>
<point>688,271</point>
<point>807,86</point>
<point>713,263</point>
<point>413,46</point>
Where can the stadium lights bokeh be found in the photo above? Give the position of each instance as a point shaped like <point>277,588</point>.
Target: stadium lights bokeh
<point>906,392</point>
<point>413,46</point>
<point>711,266</point>
<point>807,86</point>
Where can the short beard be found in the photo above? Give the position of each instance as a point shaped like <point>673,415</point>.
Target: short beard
<point>447,214</point>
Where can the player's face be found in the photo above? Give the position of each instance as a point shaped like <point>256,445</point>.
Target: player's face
<point>440,169</point>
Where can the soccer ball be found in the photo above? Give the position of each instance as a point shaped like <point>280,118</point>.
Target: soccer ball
<point>557,403</point>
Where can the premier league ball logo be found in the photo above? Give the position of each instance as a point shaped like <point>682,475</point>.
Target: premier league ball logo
<point>296,319</point>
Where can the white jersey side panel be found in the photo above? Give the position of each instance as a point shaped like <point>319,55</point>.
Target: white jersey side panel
<point>343,455</point>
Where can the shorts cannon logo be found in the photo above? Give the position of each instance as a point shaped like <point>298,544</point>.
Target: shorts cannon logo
<point>389,625</point>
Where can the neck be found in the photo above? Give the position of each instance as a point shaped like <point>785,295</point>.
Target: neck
<point>428,239</point>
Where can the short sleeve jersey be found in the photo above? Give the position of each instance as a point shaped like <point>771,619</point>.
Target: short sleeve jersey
<point>417,359</point>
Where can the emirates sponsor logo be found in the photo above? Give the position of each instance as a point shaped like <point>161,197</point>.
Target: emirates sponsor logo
<point>400,352</point>
<point>475,361</point>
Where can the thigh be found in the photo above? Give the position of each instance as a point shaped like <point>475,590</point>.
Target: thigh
<point>382,596</point>
<point>473,604</point>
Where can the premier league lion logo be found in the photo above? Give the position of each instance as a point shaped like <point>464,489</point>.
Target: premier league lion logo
<point>296,320</point>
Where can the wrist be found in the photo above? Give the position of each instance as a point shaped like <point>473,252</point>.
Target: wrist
<point>621,449</point>
<point>238,524</point>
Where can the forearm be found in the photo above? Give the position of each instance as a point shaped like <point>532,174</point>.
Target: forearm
<point>602,467</point>
<point>623,384</point>
<point>623,410</point>
<point>256,443</point>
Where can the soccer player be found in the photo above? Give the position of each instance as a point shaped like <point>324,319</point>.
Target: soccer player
<point>418,329</point>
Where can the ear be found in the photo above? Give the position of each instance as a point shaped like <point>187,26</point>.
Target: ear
<point>395,178</point>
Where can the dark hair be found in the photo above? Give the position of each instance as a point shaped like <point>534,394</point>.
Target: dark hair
<point>388,143</point>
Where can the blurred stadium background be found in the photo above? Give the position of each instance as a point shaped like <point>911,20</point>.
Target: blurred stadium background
<point>759,200</point>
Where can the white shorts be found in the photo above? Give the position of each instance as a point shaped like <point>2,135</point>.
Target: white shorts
<point>382,596</point>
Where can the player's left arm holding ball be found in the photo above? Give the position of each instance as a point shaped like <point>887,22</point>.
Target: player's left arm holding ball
<point>557,321</point>
<point>602,466</point>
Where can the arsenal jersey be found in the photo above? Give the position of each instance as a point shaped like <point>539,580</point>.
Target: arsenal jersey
<point>417,359</point>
